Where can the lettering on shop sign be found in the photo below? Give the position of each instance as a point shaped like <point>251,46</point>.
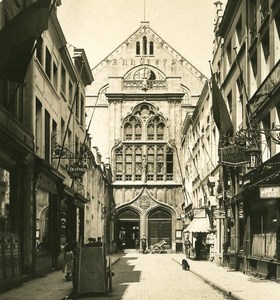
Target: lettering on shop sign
<point>268,192</point>
<point>76,170</point>
<point>233,156</point>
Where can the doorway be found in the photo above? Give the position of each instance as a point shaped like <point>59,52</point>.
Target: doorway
<point>128,230</point>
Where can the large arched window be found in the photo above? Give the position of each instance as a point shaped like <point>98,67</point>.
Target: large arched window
<point>155,128</point>
<point>144,154</point>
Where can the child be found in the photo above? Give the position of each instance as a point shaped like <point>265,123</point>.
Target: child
<point>68,262</point>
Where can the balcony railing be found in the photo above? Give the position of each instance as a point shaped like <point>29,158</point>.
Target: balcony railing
<point>149,84</point>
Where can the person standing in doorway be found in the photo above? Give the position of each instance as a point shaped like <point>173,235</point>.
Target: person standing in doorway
<point>144,244</point>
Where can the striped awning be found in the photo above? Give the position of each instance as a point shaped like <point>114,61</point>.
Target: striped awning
<point>198,225</point>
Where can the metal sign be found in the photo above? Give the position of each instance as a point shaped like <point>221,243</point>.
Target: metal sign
<point>219,213</point>
<point>233,155</point>
<point>199,213</point>
<point>268,192</point>
<point>76,170</point>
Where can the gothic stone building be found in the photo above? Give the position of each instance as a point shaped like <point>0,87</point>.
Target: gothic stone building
<point>141,94</point>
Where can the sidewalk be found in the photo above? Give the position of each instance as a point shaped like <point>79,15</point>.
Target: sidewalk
<point>239,286</point>
<point>233,283</point>
<point>51,286</point>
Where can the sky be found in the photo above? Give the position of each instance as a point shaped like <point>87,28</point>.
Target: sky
<point>100,26</point>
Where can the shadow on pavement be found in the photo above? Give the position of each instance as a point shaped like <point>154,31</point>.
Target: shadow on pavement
<point>123,276</point>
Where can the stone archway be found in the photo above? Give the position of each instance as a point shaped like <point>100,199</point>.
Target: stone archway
<point>128,228</point>
<point>160,226</point>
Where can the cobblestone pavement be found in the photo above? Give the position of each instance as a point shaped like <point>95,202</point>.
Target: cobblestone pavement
<point>155,277</point>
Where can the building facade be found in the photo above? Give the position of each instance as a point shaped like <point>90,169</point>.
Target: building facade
<point>247,67</point>
<point>141,94</point>
<point>53,186</point>
<point>201,173</point>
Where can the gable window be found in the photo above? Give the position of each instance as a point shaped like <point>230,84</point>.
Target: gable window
<point>145,45</point>
<point>151,48</point>
<point>138,48</point>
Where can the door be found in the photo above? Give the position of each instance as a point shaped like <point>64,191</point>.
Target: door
<point>160,227</point>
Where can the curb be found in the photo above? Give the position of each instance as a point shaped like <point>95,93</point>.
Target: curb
<point>215,285</point>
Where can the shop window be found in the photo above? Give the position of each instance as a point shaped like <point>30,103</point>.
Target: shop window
<point>42,221</point>
<point>5,218</point>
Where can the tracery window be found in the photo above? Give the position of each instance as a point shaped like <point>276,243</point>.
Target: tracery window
<point>144,154</point>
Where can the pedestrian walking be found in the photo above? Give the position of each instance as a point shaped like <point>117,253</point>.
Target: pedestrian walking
<point>68,262</point>
<point>144,244</point>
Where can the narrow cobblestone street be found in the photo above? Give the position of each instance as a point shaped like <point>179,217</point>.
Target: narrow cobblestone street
<point>156,277</point>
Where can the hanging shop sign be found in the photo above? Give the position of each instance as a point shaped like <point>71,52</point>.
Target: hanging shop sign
<point>219,213</point>
<point>76,170</point>
<point>199,213</point>
<point>268,192</point>
<point>233,155</point>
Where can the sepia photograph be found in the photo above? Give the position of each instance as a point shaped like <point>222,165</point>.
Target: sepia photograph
<point>139,149</point>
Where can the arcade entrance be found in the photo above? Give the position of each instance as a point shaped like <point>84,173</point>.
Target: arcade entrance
<point>128,230</point>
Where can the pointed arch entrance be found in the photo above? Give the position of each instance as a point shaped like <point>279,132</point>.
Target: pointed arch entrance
<point>160,226</point>
<point>128,227</point>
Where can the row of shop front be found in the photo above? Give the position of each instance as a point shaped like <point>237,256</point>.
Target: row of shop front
<point>39,213</point>
<point>252,222</point>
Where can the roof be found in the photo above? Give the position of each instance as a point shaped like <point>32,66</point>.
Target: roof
<point>145,29</point>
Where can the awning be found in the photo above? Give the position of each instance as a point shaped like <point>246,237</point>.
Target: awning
<point>198,225</point>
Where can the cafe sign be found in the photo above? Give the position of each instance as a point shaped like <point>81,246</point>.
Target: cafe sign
<point>268,192</point>
<point>76,170</point>
<point>233,155</point>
